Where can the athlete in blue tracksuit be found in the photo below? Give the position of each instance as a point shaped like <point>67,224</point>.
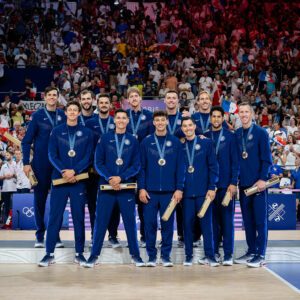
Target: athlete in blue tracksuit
<point>140,125</point>
<point>117,160</point>
<point>174,128</point>
<point>201,177</point>
<point>202,117</point>
<point>255,161</point>
<point>38,133</point>
<point>226,150</point>
<point>101,124</point>
<point>161,179</point>
<point>70,152</point>
<point>86,103</point>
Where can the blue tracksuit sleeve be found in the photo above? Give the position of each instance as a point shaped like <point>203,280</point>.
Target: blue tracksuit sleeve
<point>134,169</point>
<point>84,163</point>
<point>234,161</point>
<point>28,140</point>
<point>99,160</point>
<point>265,156</point>
<point>213,166</point>
<point>141,179</point>
<point>180,172</point>
<point>53,153</point>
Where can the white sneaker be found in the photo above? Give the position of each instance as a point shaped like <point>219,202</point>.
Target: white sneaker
<point>151,263</point>
<point>39,244</point>
<point>243,259</point>
<point>228,261</point>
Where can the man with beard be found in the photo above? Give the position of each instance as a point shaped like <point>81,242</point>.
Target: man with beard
<point>38,132</point>
<point>101,124</point>
<point>226,152</point>
<point>140,125</point>
<point>86,103</point>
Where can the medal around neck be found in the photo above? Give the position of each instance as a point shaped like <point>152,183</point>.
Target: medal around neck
<point>161,162</point>
<point>191,169</point>
<point>71,153</point>
<point>119,161</point>
<point>245,155</point>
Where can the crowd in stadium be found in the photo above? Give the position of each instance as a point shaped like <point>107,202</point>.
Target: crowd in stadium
<point>183,45</point>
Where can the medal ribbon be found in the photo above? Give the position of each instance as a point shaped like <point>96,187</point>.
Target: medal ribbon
<point>204,128</point>
<point>53,123</point>
<point>189,155</point>
<point>173,128</point>
<point>72,139</point>
<point>243,140</point>
<point>161,152</point>
<point>118,146</point>
<point>82,120</point>
<point>101,125</point>
<point>136,127</point>
<point>218,141</point>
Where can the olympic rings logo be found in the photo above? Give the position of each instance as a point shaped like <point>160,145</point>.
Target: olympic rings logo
<point>28,211</point>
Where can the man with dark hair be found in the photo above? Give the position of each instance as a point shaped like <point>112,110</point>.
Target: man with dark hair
<point>38,132</point>
<point>161,179</point>
<point>255,161</point>
<point>226,152</point>
<point>117,160</point>
<point>201,170</point>
<point>86,102</point>
<point>101,124</point>
<point>70,153</point>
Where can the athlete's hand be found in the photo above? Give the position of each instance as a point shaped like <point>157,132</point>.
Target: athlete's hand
<point>232,189</point>
<point>114,180</point>
<point>185,114</point>
<point>27,169</point>
<point>177,196</point>
<point>68,174</point>
<point>261,185</point>
<point>211,194</point>
<point>144,196</point>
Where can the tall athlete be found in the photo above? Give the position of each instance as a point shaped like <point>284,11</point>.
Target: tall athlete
<point>161,179</point>
<point>86,102</point>
<point>226,151</point>
<point>255,161</point>
<point>174,128</point>
<point>201,178</point>
<point>38,132</point>
<point>101,124</point>
<point>140,125</point>
<point>117,160</point>
<point>70,152</point>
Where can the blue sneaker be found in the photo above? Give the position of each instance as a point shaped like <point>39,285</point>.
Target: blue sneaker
<point>39,244</point>
<point>227,261</point>
<point>47,261</point>
<point>244,259</point>
<point>114,242</point>
<point>211,261</point>
<point>91,262</point>
<point>166,262</point>
<point>256,262</point>
<point>138,261</point>
<point>79,259</point>
<point>188,262</point>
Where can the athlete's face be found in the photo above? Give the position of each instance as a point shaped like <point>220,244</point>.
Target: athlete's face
<point>121,120</point>
<point>216,119</point>
<point>245,114</point>
<point>103,105</point>
<point>188,128</point>
<point>51,97</point>
<point>171,100</point>
<point>134,99</point>
<point>86,101</point>
<point>72,113</point>
<point>160,123</point>
<point>204,102</point>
